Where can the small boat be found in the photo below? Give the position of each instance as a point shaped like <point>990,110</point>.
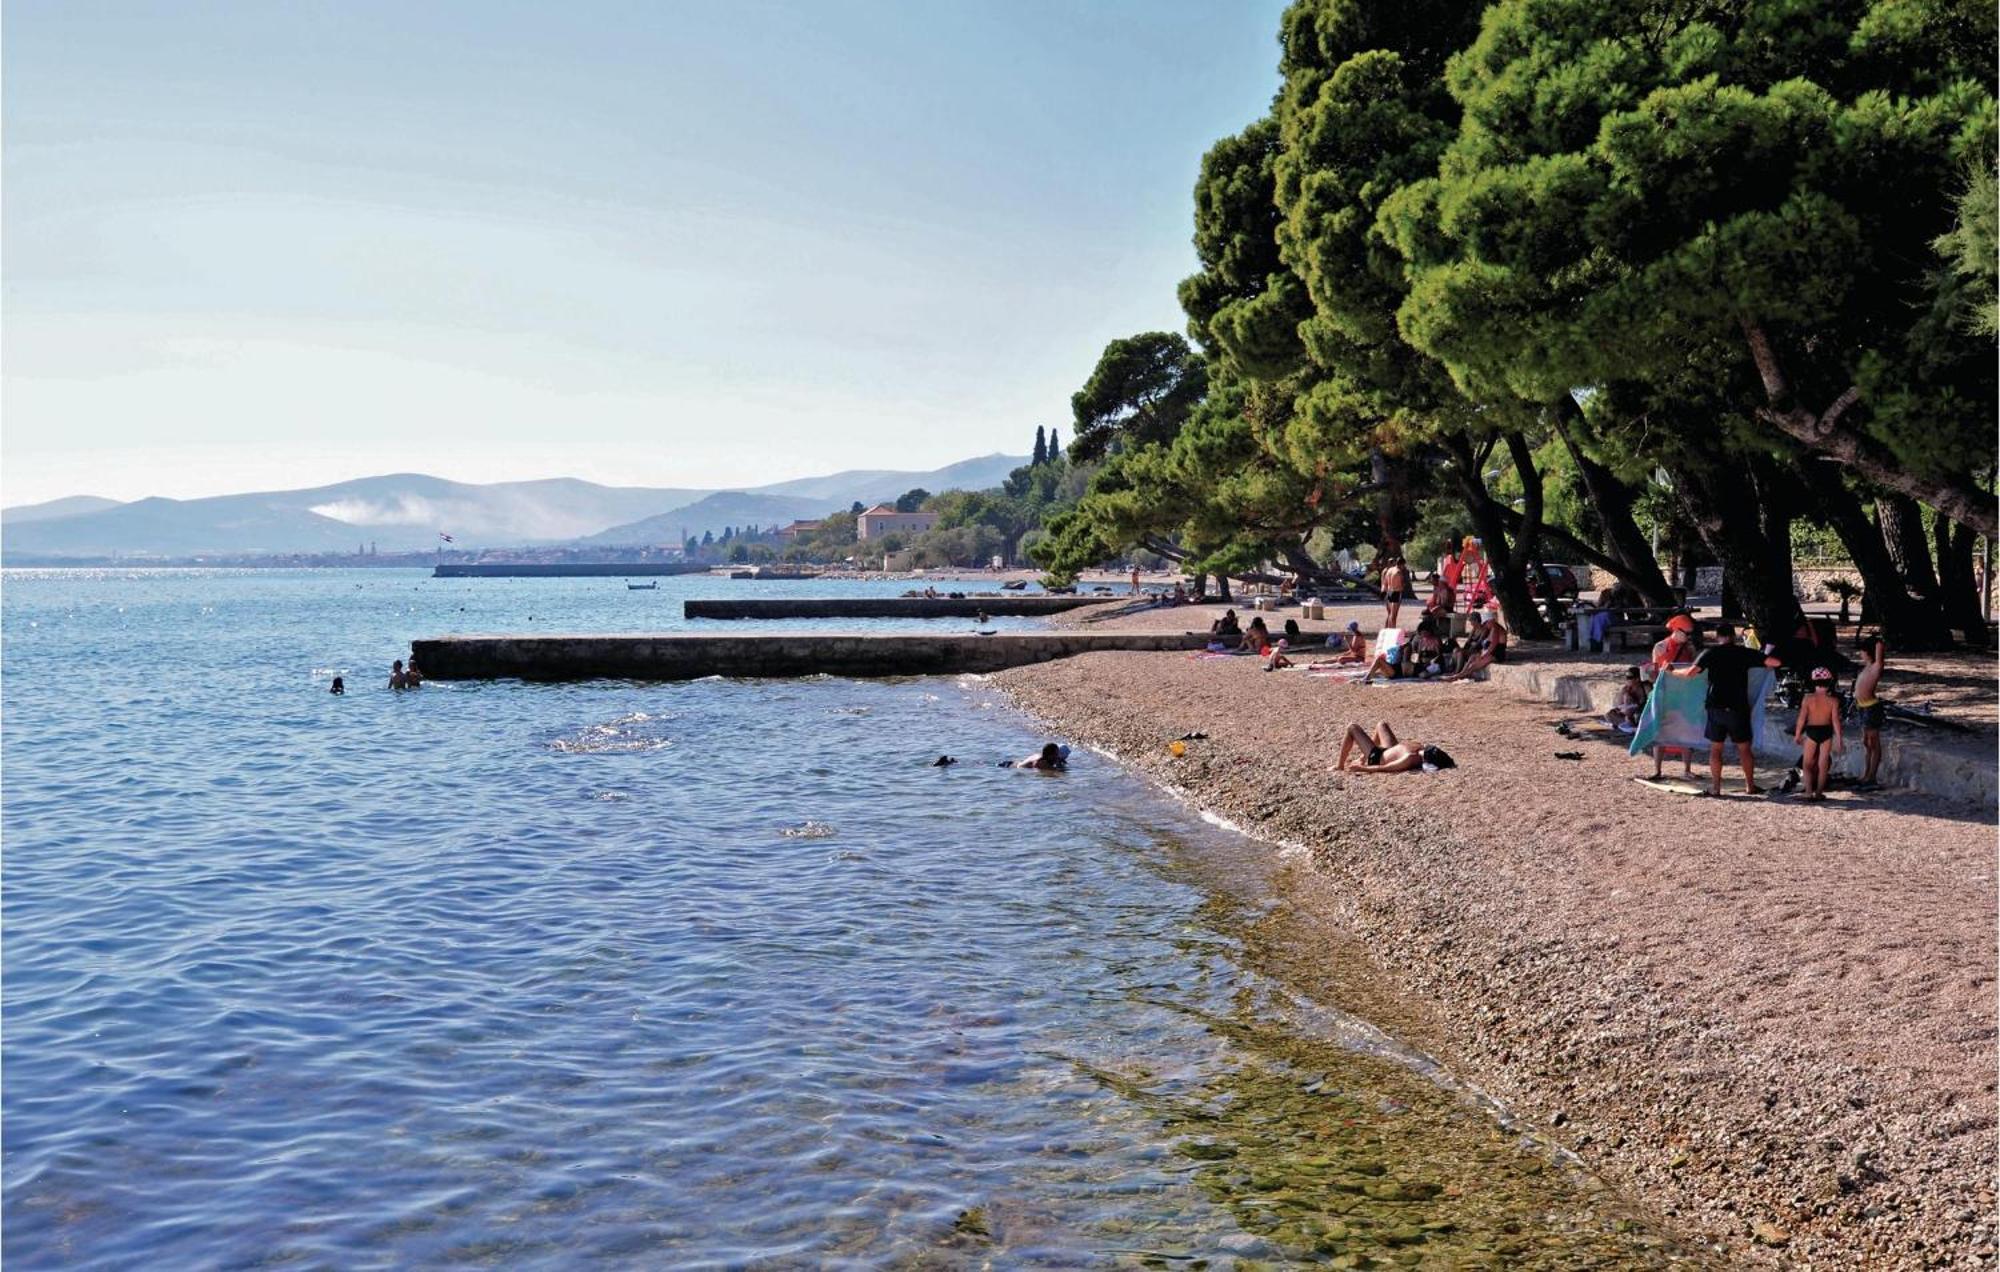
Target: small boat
<point>1018,585</point>
<point>642,587</point>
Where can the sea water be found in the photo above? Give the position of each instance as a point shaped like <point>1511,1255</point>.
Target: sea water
<point>720,974</point>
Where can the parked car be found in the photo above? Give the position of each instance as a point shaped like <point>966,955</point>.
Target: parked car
<point>1561,581</point>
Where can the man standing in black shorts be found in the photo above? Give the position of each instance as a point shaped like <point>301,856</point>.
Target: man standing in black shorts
<point>1728,666</point>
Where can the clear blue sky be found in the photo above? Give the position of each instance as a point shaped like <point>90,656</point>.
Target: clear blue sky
<point>261,245</point>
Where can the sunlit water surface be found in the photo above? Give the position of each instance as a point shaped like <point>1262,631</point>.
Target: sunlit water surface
<point>710,974</point>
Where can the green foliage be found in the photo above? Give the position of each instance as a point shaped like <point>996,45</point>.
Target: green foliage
<point>1141,392</point>
<point>912,500</point>
<point>1633,184</point>
<point>1971,250</point>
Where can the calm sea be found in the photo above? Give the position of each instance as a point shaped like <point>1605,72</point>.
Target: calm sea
<point>720,974</point>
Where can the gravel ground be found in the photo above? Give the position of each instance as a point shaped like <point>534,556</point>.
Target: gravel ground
<point>1773,1022</point>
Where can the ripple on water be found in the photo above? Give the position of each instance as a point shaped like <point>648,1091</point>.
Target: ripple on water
<point>521,974</point>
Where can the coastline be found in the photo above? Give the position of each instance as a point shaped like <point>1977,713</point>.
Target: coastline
<point>1776,1033</point>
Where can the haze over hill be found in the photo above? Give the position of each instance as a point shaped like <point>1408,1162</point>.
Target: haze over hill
<point>68,506</point>
<point>408,511</point>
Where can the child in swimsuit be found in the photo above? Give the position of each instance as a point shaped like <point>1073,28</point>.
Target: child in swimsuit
<point>1868,701</point>
<point>1818,732</point>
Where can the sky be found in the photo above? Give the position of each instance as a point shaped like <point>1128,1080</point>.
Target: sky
<point>262,246</point>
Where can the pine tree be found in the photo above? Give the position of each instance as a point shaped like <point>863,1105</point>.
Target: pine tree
<point>1041,447</point>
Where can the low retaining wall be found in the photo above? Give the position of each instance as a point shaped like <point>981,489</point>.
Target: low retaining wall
<point>887,606</point>
<point>1929,765</point>
<point>685,657</point>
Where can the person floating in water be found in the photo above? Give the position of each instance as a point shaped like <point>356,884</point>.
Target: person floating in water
<point>401,679</point>
<point>339,686</point>
<point>1052,758</point>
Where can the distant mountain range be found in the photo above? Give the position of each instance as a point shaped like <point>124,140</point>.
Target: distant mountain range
<point>406,512</point>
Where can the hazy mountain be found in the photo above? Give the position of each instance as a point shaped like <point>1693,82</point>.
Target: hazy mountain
<point>711,514</point>
<point>879,485</point>
<point>400,512</point>
<point>66,507</point>
<point>806,498</point>
<point>406,511</point>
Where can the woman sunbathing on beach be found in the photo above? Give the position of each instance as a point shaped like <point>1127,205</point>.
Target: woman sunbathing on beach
<point>1381,751</point>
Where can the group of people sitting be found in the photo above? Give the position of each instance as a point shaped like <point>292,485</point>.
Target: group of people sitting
<point>1427,654</point>
<point>1430,654</point>
<point>1226,635</point>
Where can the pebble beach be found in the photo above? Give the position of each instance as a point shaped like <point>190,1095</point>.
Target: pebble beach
<point>1772,1024</point>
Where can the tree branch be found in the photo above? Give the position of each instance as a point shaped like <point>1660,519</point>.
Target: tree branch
<point>1830,418</point>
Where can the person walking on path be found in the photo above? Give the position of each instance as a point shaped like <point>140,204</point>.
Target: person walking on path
<point>1728,666</point>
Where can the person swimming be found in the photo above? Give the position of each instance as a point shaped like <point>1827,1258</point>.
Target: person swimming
<point>397,677</point>
<point>1052,758</point>
<point>339,686</point>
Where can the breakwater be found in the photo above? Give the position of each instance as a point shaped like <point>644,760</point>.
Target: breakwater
<point>886,606</point>
<point>563,569</point>
<point>685,657</point>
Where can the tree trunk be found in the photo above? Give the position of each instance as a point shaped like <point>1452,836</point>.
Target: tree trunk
<point>1489,520</point>
<point>1822,433</point>
<point>1612,500</point>
<point>1902,526</point>
<point>1713,498</point>
<point>1908,622</point>
<point>1958,585</point>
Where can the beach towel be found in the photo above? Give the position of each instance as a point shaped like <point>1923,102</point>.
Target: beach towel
<point>1676,714</point>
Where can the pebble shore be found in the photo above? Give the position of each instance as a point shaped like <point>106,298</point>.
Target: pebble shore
<point>1774,1024</point>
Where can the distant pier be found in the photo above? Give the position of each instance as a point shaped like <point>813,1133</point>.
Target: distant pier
<point>564,570</point>
<point>1004,604</point>
<point>678,656</point>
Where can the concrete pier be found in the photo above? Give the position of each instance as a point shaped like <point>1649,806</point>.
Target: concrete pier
<point>1003,604</point>
<point>678,656</point>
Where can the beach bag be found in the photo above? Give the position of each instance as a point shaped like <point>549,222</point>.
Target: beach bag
<point>1438,758</point>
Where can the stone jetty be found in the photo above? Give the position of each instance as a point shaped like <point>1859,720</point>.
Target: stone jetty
<point>679,656</point>
<point>1002,604</point>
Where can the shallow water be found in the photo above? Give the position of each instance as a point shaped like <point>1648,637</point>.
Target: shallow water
<point>713,974</point>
